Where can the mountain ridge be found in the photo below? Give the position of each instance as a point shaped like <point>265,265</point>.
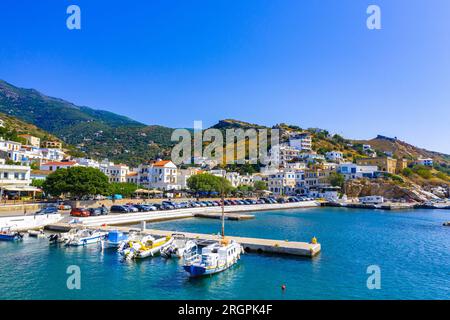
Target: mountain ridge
<point>104,134</point>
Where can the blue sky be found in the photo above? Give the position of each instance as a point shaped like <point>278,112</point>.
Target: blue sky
<point>309,63</point>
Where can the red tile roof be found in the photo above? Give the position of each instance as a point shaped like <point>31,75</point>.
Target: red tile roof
<point>59,163</point>
<point>161,163</point>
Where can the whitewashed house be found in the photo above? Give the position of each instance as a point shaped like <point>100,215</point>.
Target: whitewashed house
<point>161,175</point>
<point>301,141</point>
<point>354,171</point>
<point>425,162</point>
<point>334,156</point>
<point>55,165</point>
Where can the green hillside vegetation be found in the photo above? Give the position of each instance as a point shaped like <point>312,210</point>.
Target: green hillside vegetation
<point>100,134</point>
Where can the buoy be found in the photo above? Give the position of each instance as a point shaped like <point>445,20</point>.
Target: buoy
<point>283,287</point>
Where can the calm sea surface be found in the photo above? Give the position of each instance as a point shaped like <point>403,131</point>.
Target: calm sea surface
<point>411,248</point>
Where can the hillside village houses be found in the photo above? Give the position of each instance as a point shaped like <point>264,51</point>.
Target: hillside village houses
<point>293,167</point>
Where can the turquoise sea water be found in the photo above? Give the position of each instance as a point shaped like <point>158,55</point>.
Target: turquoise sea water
<point>412,249</point>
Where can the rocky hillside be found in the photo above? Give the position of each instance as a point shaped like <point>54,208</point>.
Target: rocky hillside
<point>401,149</point>
<point>393,190</point>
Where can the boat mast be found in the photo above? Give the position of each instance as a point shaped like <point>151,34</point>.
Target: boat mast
<point>223,203</point>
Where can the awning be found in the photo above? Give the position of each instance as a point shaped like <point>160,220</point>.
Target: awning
<point>21,188</point>
<point>147,191</point>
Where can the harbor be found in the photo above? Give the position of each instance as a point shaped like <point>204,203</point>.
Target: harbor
<point>351,240</point>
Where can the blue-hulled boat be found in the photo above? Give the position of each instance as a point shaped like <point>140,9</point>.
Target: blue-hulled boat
<point>114,238</point>
<point>7,235</point>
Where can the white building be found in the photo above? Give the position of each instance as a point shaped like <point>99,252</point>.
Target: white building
<point>301,141</point>
<point>86,162</point>
<point>52,154</point>
<point>7,146</point>
<point>12,176</point>
<point>55,165</point>
<point>334,156</point>
<point>425,162</point>
<point>161,175</point>
<point>132,177</point>
<point>117,172</point>
<point>354,171</point>
<point>280,155</point>
<point>282,183</point>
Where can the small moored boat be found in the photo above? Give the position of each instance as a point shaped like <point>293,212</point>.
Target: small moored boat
<point>36,233</point>
<point>147,247</point>
<point>113,239</point>
<point>179,247</point>
<point>85,237</point>
<point>214,258</point>
<point>7,235</point>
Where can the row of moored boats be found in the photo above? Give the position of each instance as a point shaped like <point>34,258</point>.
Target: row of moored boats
<point>213,258</point>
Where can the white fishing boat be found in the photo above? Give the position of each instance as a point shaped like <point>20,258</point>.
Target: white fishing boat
<point>63,237</point>
<point>147,247</point>
<point>179,247</point>
<point>214,258</point>
<point>84,237</point>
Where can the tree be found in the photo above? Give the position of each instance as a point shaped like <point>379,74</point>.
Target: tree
<point>407,172</point>
<point>77,181</point>
<point>38,183</point>
<point>336,179</point>
<point>206,182</point>
<point>126,189</point>
<point>260,185</point>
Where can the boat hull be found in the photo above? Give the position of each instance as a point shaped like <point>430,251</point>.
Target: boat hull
<point>199,271</point>
<point>9,237</point>
<point>85,241</point>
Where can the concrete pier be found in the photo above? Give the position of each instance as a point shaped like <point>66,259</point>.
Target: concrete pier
<point>250,244</point>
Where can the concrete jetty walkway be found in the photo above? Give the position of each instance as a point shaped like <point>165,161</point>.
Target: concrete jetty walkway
<point>250,244</point>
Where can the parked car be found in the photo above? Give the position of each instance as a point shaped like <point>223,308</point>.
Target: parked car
<point>141,207</point>
<point>281,200</point>
<point>166,206</point>
<point>95,212</point>
<point>131,208</point>
<point>63,206</point>
<point>170,205</point>
<point>194,204</point>
<point>119,209</point>
<point>47,210</point>
<point>80,212</point>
